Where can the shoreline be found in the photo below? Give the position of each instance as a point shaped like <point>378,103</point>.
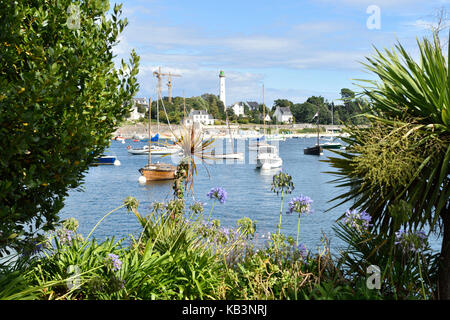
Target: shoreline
<point>252,131</point>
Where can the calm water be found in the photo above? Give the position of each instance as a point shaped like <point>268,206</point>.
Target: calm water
<point>249,193</point>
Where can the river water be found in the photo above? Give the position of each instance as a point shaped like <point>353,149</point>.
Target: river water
<point>249,193</point>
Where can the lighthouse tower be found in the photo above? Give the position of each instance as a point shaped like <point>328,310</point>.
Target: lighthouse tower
<point>222,87</point>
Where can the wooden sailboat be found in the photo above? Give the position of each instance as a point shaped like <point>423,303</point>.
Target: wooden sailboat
<point>317,149</point>
<point>156,171</point>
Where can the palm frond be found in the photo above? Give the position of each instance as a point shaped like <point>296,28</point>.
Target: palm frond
<point>195,148</point>
<point>409,126</point>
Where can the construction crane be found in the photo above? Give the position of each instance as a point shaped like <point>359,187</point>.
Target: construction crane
<point>169,75</point>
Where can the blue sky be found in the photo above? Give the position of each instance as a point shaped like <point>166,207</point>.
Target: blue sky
<point>295,48</point>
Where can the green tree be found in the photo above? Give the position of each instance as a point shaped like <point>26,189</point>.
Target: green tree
<point>318,101</point>
<point>282,103</point>
<point>61,97</point>
<point>213,105</point>
<point>347,95</point>
<point>403,156</point>
<point>198,103</point>
<point>303,112</point>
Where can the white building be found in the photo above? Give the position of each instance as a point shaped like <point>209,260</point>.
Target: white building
<point>238,108</point>
<point>267,118</point>
<point>135,114</point>
<point>222,87</point>
<point>252,105</point>
<point>283,115</point>
<point>199,116</point>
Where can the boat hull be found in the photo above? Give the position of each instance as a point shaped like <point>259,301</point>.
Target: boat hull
<point>315,151</point>
<point>268,162</point>
<point>155,151</point>
<point>331,146</point>
<point>105,160</point>
<point>237,156</point>
<point>137,152</point>
<point>156,172</point>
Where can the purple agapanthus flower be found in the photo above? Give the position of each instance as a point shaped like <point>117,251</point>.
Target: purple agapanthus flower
<point>301,204</point>
<point>302,250</point>
<point>226,231</point>
<point>112,260</point>
<point>358,220</point>
<point>65,236</point>
<point>411,240</point>
<point>218,193</point>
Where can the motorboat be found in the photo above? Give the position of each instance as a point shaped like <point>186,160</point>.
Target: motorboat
<point>268,158</point>
<point>106,160</point>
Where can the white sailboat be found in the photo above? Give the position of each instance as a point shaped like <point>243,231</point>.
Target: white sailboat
<point>231,155</point>
<point>254,146</point>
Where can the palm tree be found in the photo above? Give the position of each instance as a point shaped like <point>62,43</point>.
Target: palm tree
<point>403,155</point>
<point>194,147</point>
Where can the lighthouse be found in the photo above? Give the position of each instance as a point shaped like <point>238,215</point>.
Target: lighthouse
<point>222,87</point>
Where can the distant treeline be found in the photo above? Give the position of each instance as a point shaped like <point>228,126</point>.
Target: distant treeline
<point>302,112</point>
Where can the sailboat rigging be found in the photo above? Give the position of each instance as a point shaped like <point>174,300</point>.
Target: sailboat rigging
<point>331,144</point>
<point>317,149</point>
<point>156,171</point>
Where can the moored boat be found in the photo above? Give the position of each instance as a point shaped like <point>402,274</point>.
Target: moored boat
<point>155,171</point>
<point>331,145</point>
<point>315,150</point>
<point>119,138</point>
<point>106,160</point>
<point>158,171</point>
<point>138,151</point>
<point>268,158</point>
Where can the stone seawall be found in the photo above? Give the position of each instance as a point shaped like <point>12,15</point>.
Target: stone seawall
<point>133,130</point>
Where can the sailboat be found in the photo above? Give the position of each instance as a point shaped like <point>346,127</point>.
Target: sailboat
<point>276,136</point>
<point>231,155</point>
<point>260,142</point>
<point>317,149</point>
<point>331,144</point>
<point>267,155</point>
<point>155,171</point>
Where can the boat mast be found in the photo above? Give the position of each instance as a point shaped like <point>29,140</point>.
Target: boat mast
<point>264,113</point>
<point>159,96</point>
<point>318,114</point>
<point>184,104</point>
<point>149,132</point>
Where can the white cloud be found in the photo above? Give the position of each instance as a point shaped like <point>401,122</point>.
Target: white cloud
<point>359,3</point>
<point>198,55</point>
